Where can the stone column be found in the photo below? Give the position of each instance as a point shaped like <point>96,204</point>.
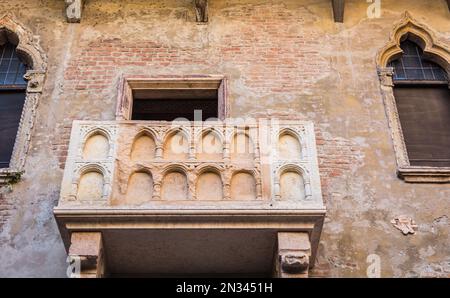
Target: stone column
<point>159,151</point>
<point>86,249</point>
<point>294,251</point>
<point>387,91</point>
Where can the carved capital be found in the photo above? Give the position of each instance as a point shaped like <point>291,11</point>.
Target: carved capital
<point>385,75</point>
<point>432,46</point>
<point>74,9</point>
<point>35,80</point>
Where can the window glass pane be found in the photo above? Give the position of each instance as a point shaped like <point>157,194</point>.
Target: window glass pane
<point>428,74</point>
<point>12,69</point>
<point>412,66</point>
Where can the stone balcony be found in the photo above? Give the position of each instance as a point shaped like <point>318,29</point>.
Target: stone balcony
<point>159,198</point>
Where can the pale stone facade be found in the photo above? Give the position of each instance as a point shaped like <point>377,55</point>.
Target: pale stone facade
<point>336,188</point>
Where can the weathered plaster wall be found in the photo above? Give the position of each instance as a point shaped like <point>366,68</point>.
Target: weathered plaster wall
<point>285,56</point>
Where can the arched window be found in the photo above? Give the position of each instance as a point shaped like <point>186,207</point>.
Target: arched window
<point>422,96</point>
<point>12,97</point>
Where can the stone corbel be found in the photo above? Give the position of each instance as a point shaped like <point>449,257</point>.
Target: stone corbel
<point>35,80</point>
<point>293,255</point>
<point>201,10</point>
<point>87,255</point>
<point>338,10</point>
<point>385,75</point>
<point>74,9</point>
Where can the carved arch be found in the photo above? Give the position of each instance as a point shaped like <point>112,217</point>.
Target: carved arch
<point>184,132</point>
<point>93,132</point>
<point>298,136</point>
<point>29,49</point>
<point>27,45</point>
<point>149,133</point>
<point>409,27</point>
<point>90,168</point>
<point>300,170</point>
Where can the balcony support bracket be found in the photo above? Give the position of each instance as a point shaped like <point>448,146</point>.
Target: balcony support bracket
<point>294,252</point>
<point>86,255</point>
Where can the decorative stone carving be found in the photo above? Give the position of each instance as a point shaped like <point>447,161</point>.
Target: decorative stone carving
<point>434,50</point>
<point>159,192</point>
<point>35,80</point>
<point>404,224</point>
<point>201,10</point>
<point>181,180</point>
<point>294,263</point>
<point>28,44</point>
<point>74,9</point>
<point>294,251</point>
<point>30,51</point>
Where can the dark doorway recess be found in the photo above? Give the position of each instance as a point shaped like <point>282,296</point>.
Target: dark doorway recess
<point>169,104</point>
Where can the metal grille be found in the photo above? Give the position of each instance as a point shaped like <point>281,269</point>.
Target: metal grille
<point>413,67</point>
<point>12,69</point>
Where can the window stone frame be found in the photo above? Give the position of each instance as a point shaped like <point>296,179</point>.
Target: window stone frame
<point>433,50</point>
<point>127,84</point>
<point>28,49</point>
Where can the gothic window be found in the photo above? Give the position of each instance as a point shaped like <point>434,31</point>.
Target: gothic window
<point>12,97</point>
<point>422,96</point>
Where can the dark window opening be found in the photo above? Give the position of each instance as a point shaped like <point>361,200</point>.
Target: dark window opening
<point>169,104</point>
<point>12,98</point>
<point>12,69</point>
<point>422,96</point>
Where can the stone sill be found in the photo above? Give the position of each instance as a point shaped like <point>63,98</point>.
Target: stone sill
<point>424,174</point>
